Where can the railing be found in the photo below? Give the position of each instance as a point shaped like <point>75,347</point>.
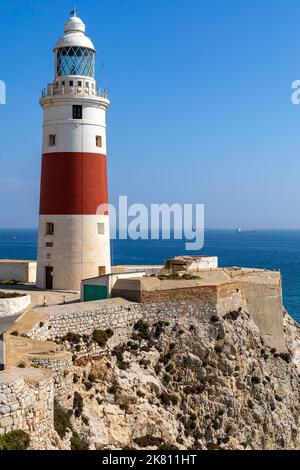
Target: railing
<point>52,90</point>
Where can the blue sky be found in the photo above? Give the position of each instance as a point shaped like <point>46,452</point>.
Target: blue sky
<point>200,112</point>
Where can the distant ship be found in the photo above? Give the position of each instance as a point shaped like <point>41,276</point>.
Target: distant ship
<point>241,230</point>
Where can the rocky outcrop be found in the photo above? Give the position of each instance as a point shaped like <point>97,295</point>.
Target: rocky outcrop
<point>202,383</point>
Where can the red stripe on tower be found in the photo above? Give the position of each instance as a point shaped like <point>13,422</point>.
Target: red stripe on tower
<point>73,183</point>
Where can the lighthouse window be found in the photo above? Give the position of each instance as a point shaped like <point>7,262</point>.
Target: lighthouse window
<point>98,140</point>
<point>77,111</point>
<point>52,140</point>
<point>49,228</point>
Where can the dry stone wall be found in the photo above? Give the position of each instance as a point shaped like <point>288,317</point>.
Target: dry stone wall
<point>26,401</point>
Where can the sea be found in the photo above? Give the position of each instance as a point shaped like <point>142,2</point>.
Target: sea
<point>266,249</point>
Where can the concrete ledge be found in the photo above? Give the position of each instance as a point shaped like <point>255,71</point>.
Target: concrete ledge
<point>14,305</point>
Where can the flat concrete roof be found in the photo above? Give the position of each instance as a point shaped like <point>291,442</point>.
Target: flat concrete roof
<point>207,278</point>
<point>17,261</point>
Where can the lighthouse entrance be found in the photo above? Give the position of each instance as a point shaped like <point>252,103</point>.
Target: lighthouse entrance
<point>49,278</point>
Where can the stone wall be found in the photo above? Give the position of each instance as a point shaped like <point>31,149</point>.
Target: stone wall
<point>26,400</point>
<point>61,367</point>
<point>86,317</point>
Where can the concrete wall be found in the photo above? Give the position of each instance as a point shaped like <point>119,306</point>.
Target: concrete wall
<point>10,307</point>
<point>21,271</point>
<point>264,303</point>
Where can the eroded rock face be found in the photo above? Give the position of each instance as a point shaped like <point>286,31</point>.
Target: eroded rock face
<point>191,384</point>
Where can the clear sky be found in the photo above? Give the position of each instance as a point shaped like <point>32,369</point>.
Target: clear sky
<point>200,104</point>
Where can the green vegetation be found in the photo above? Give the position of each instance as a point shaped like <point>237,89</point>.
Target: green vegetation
<point>9,282</point>
<point>101,337</point>
<point>15,440</point>
<point>168,399</point>
<point>77,443</point>
<point>10,295</point>
<point>78,404</point>
<point>176,277</point>
<point>149,441</point>
<point>61,421</point>
<point>22,365</point>
<point>73,338</point>
<point>142,329</point>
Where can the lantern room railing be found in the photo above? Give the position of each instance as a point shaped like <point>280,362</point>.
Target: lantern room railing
<point>60,89</point>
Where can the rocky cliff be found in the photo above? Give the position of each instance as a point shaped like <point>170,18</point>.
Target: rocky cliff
<point>206,383</point>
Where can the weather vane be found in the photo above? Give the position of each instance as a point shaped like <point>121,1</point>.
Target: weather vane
<point>74,12</point>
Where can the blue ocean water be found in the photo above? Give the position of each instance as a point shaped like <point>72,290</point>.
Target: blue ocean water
<point>270,249</point>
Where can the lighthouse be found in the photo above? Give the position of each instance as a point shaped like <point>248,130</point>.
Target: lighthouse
<point>74,241</point>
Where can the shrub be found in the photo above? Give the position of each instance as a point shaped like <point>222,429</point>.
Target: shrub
<point>101,337</point>
<point>77,443</point>
<point>287,357</point>
<point>73,338</point>
<point>255,380</point>
<point>177,277</point>
<point>142,329</point>
<point>21,365</point>
<point>193,390</point>
<point>78,404</point>
<point>9,282</point>
<point>61,420</point>
<point>123,365</point>
<point>149,441</point>
<point>75,378</point>
<point>10,295</point>
<point>85,420</point>
<point>168,399</point>
<point>15,440</point>
<point>88,386</point>
<point>113,389</point>
<point>91,377</point>
<point>212,446</point>
<point>15,333</point>
<point>234,315</point>
<point>118,352</point>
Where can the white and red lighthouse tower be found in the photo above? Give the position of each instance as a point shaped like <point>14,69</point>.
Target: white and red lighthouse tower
<point>74,241</point>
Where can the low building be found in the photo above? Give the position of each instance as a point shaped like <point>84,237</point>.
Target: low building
<point>99,288</point>
<point>188,264</point>
<point>18,270</point>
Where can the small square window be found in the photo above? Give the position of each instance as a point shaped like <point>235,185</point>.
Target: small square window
<point>52,140</point>
<point>101,229</point>
<point>98,140</point>
<point>79,83</point>
<point>71,83</point>
<point>49,245</point>
<point>49,228</point>
<point>77,111</point>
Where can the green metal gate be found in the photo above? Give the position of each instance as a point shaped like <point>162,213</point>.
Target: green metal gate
<point>92,293</point>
